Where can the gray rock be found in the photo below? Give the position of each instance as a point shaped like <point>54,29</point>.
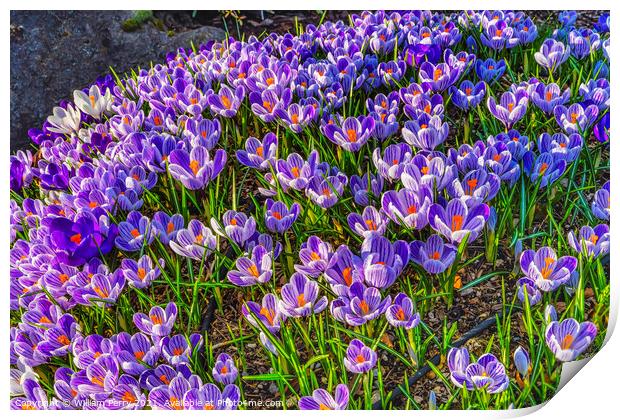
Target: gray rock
<point>55,52</point>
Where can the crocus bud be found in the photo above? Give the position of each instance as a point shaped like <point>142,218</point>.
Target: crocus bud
<point>522,361</point>
<point>550,314</point>
<point>432,401</point>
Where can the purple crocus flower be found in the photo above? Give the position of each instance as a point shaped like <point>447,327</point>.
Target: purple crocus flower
<point>166,227</point>
<point>360,305</point>
<point>487,373</point>
<point>456,220</point>
<point>601,203</point>
<point>522,361</point>
<point>477,186</point>
<point>596,92</point>
<point>496,34</point>
<point>101,290</point>
<point>408,207</point>
<point>314,255</point>
<point>295,172</point>
<point>325,192</point>
<point>278,217</point>
<point>575,118</point>
<point>34,397</point>
<point>159,322</point>
<point>352,134</point>
<point>425,133</point>
<point>134,233</point>
<point>601,129</point>
<point>401,314</point>
<point>224,371</point>
<point>195,242</point>
<point>510,109</point>
<point>236,226</point>
<point>370,222</point>
<point>140,274</point>
<point>591,241</point>
<point>490,70</point>
<point>365,186</point>
<point>583,42</point>
<point>527,287</point>
<point>569,338</point>
<point>383,260</point>
<point>296,117</point>
<point>78,241</point>
<point>226,102</point>
<point>552,54</point>
<point>561,146</point>
<point>178,349</point>
<point>543,169</point>
<point>253,270</point>
<point>57,339</point>
<point>548,97</point>
<point>209,397</point>
<point>136,351</point>
<point>268,313</point>
<point>323,400</point>
<point>468,96</point>
<point>547,270</point>
<point>259,154</point>
<point>395,157</point>
<point>266,104</point>
<point>196,168</point>
<point>299,297</point>
<point>439,77</point>
<point>359,358</point>
<point>433,255</point>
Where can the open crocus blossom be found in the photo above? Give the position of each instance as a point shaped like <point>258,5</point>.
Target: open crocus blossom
<point>299,297</point>
<point>548,97</point>
<point>278,217</point>
<point>235,225</point>
<point>575,118</point>
<point>323,400</point>
<point>593,242</point>
<point>195,242</point>
<point>487,373</point>
<point>552,54</point>
<point>401,314</point>
<point>433,255</point>
<point>545,269</point>
<point>224,370</point>
<point>370,222</point>
<point>254,270</point>
<point>314,255</point>
<point>259,154</point>
<point>408,207</point>
<point>510,109</point>
<point>456,220</point>
<point>468,95</point>
<point>352,133</point>
<point>425,133</point>
<point>359,358</point>
<point>196,168</point>
<point>159,322</point>
<point>569,338</point>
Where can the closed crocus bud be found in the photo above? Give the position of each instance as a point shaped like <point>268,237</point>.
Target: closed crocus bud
<point>522,361</point>
<point>492,220</point>
<point>432,401</point>
<point>550,314</point>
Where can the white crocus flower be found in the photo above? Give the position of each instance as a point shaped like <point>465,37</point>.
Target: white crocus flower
<point>18,376</point>
<point>94,103</point>
<point>65,121</point>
